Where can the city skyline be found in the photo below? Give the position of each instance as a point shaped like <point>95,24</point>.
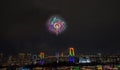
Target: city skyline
<point>92,26</point>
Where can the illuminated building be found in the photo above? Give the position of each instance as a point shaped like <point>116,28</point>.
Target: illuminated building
<point>34,57</point>
<point>21,56</point>
<point>99,67</point>
<point>57,57</point>
<point>28,55</point>
<point>84,60</point>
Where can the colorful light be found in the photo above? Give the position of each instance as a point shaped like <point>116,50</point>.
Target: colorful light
<point>71,59</point>
<point>77,68</point>
<point>71,55</point>
<point>41,55</point>
<point>42,58</point>
<point>71,52</point>
<point>56,24</point>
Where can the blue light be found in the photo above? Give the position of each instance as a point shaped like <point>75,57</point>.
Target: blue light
<point>71,59</point>
<point>41,61</point>
<point>22,68</point>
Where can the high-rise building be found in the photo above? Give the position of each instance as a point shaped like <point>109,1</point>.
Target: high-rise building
<point>21,56</point>
<point>28,56</point>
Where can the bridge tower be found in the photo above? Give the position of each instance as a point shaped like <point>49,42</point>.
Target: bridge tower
<point>57,57</point>
<point>42,56</point>
<point>71,55</point>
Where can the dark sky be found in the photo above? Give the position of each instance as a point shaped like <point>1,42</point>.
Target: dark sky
<point>93,26</point>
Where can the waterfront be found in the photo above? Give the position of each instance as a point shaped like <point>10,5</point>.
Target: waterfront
<point>95,67</point>
<point>65,61</point>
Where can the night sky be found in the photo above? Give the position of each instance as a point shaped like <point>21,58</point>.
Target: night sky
<point>92,26</point>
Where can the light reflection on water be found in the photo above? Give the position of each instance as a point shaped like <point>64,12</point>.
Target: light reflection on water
<point>97,67</point>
